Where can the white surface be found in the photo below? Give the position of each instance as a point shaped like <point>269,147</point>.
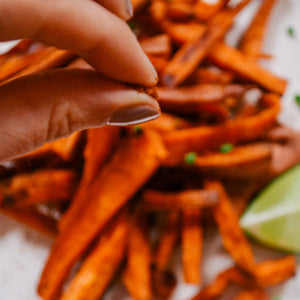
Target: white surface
<point>23,252</point>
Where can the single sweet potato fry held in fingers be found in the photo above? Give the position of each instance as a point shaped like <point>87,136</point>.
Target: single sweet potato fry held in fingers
<point>137,273</point>
<point>42,186</point>
<point>133,163</point>
<point>234,240</point>
<point>192,240</point>
<point>100,144</point>
<point>251,43</point>
<point>239,63</point>
<point>101,264</point>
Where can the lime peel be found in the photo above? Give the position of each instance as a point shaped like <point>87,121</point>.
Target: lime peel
<point>273,218</point>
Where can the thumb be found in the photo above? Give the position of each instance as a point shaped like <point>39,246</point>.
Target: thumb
<point>42,107</point>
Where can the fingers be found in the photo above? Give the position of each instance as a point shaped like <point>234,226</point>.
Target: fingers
<point>84,27</point>
<point>122,8</point>
<point>43,107</point>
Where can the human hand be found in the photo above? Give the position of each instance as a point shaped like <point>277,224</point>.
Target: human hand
<point>42,107</point>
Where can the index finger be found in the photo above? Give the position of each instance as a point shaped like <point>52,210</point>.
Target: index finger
<point>84,27</point>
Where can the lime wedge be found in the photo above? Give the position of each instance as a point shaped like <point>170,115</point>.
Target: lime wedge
<point>273,218</point>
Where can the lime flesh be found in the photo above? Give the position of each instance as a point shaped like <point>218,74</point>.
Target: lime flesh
<point>273,218</point>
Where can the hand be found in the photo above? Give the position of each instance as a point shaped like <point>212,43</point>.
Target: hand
<point>41,107</point>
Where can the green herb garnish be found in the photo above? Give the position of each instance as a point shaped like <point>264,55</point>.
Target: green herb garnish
<point>226,148</point>
<point>190,158</point>
<point>297,99</point>
<point>291,32</point>
<point>138,130</point>
<point>275,298</point>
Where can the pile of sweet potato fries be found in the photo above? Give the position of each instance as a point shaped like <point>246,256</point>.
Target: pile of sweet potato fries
<point>120,201</point>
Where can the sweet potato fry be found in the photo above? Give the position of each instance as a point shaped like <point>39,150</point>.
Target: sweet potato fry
<point>64,150</point>
<point>234,60</point>
<point>179,32</point>
<point>189,199</point>
<point>164,283</point>
<point>138,4</point>
<point>192,240</point>
<point>234,240</point>
<point>212,75</point>
<point>272,272</point>
<point>183,32</point>
<point>252,295</point>
<point>159,62</point>
<point>215,289</point>
<point>205,138</point>
<point>247,161</point>
<point>167,242</point>
<point>241,191</point>
<point>249,153</point>
<point>191,54</point>
<point>137,275</point>
<point>53,58</point>
<point>180,10</point>
<point>165,123</point>
<point>99,267</point>
<point>197,94</point>
<point>157,45</point>
<point>95,155</point>
<point>16,61</point>
<point>43,186</point>
<point>265,274</point>
<point>135,160</point>
<point>32,219</point>
<point>204,11</point>
<point>251,43</point>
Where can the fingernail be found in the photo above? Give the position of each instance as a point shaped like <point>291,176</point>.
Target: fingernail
<point>128,9</point>
<point>133,114</point>
<point>154,73</point>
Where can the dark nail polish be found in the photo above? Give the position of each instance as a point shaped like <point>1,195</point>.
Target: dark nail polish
<point>130,115</point>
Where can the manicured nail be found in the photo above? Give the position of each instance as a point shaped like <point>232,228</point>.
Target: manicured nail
<point>133,114</point>
<point>128,9</point>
